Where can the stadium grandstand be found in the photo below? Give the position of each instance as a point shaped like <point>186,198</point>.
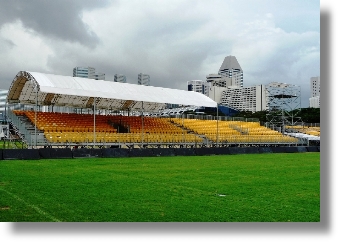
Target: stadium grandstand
<point>97,113</point>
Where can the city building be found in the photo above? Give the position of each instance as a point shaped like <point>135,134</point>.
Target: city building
<point>198,86</point>
<point>120,78</point>
<point>314,100</point>
<point>226,88</point>
<point>232,69</point>
<point>251,99</point>
<point>143,79</point>
<point>4,107</point>
<point>88,72</point>
<point>99,76</point>
<point>220,81</point>
<point>3,97</point>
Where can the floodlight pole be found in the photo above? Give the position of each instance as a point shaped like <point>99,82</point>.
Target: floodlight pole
<point>142,124</point>
<point>94,121</point>
<point>35,115</point>
<point>183,126</point>
<point>6,112</point>
<point>217,125</point>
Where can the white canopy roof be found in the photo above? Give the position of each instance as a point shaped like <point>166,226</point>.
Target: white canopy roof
<point>81,92</point>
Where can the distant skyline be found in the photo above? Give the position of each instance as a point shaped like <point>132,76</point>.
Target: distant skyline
<point>173,41</point>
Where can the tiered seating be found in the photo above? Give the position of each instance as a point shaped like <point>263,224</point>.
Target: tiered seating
<point>306,130</point>
<point>152,130</point>
<point>78,128</point>
<point>150,124</point>
<point>68,127</point>
<point>234,131</point>
<point>69,122</point>
<point>152,138</point>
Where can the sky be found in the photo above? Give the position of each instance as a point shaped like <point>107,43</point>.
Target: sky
<point>174,41</point>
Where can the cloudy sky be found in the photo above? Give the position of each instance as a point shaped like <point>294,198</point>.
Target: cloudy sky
<point>174,41</point>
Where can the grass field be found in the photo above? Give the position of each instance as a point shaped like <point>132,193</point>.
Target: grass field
<point>234,188</point>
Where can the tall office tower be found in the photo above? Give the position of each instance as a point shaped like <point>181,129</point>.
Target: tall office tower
<point>88,72</point>
<point>314,100</point>
<point>120,78</point>
<point>315,86</point>
<point>231,68</point>
<point>198,86</point>
<point>143,79</point>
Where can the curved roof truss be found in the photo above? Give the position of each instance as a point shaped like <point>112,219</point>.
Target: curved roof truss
<point>49,89</point>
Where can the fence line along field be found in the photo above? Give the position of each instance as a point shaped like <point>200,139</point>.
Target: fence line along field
<point>233,188</point>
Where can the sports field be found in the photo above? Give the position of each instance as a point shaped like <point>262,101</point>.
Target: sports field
<point>226,188</point>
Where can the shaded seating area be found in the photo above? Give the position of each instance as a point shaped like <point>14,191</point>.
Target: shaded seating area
<point>41,91</point>
<point>72,128</point>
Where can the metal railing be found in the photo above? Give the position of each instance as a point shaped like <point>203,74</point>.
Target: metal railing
<point>27,135</point>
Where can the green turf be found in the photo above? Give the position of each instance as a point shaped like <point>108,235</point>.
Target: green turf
<point>258,187</point>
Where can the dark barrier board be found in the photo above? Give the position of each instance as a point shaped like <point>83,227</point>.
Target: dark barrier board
<point>108,153</point>
<point>265,149</point>
<point>205,151</point>
<point>251,150</point>
<point>121,152</point>
<point>279,149</point>
<point>96,152</point>
<point>140,153</point>
<point>301,149</point>
<point>312,149</point>
<point>45,153</point>
<point>55,153</point>
<point>21,154</point>
<point>163,151</point>
<point>238,150</point>
<point>184,152</point>
<point>61,153</point>
<point>319,148</point>
<point>86,153</point>
<point>291,149</point>
<point>222,151</point>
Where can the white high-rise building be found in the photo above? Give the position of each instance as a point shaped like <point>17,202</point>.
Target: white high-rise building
<point>143,79</point>
<point>221,81</point>
<point>3,97</point>
<point>198,86</point>
<point>99,76</point>
<point>226,88</point>
<point>88,72</point>
<point>314,100</point>
<point>251,99</point>
<point>232,69</point>
<point>120,78</point>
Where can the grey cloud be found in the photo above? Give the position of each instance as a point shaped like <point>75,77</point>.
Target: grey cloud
<point>60,19</point>
<point>6,44</point>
